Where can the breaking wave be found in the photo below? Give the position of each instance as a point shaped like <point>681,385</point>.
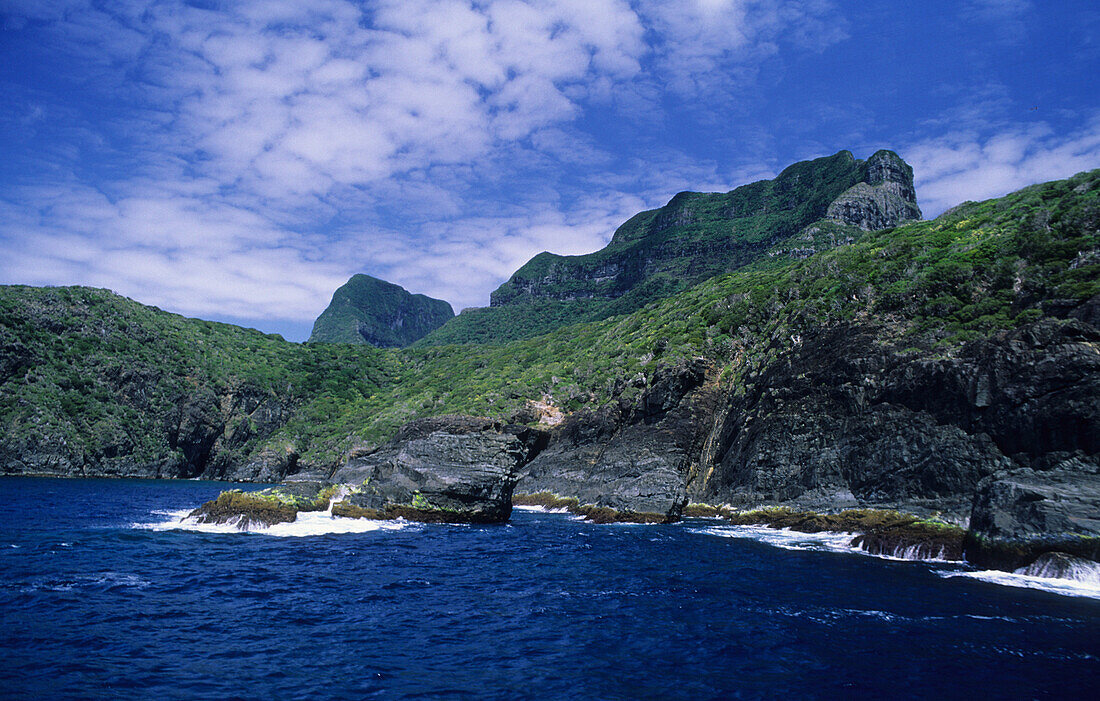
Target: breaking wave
<point>307,524</point>
<point>1089,588</point>
<point>1085,584</point>
<point>786,538</point>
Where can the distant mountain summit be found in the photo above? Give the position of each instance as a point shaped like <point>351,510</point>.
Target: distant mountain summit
<point>809,207</point>
<point>699,235</point>
<point>378,313</point>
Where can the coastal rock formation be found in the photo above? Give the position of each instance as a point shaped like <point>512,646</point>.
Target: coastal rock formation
<point>244,511</point>
<point>379,313</point>
<point>631,457</point>
<point>452,469</point>
<point>458,469</point>
<point>842,420</point>
<point>843,414</point>
<point>1022,513</point>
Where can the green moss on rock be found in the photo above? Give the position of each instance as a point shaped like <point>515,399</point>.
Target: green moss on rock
<point>246,509</point>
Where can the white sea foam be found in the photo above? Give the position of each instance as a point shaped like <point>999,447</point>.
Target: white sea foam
<point>538,509</point>
<point>308,523</point>
<point>786,538</point>
<point>831,541</point>
<point>1067,587</point>
<point>909,554</point>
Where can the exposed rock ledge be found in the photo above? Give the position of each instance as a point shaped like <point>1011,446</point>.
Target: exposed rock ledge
<point>453,469</point>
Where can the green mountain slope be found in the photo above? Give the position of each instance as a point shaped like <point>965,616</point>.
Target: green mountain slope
<point>696,236</point>
<point>378,313</point>
<point>92,383</point>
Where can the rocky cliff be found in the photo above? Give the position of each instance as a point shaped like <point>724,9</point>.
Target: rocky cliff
<point>378,313</point>
<point>698,235</point>
<point>661,252</point>
<point>945,366</point>
<point>886,197</point>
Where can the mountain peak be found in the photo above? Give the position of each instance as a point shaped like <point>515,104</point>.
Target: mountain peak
<point>371,311</point>
<point>886,197</point>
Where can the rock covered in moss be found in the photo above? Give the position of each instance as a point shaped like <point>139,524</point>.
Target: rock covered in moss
<point>245,510</point>
<point>879,531</point>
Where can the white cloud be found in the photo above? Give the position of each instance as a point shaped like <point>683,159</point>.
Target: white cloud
<point>257,129</point>
<point>962,166</point>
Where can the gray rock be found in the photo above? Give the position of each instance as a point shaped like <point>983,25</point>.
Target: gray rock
<point>841,413</point>
<point>457,468</point>
<point>637,470</point>
<point>886,199</point>
<point>1029,504</point>
<point>633,456</point>
<point>1020,514</point>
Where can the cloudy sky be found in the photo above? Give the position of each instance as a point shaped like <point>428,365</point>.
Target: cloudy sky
<point>239,160</point>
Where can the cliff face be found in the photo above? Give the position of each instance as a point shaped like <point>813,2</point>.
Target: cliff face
<point>661,252</point>
<point>697,235</point>
<point>843,419</point>
<point>379,313</point>
<point>885,198</point>
<point>844,415</point>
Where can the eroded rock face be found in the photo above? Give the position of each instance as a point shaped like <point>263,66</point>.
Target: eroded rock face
<point>1022,513</point>
<point>886,199</point>
<point>843,413</point>
<point>1026,503</point>
<point>460,469</point>
<point>455,469</point>
<point>634,457</point>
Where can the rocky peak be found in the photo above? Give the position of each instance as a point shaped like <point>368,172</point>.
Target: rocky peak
<point>366,310</point>
<point>887,167</point>
<point>885,198</point>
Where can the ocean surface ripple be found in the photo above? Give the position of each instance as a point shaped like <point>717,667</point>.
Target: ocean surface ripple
<point>102,599</point>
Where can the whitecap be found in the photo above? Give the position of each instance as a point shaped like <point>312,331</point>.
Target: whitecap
<point>830,541</point>
<point>786,538</point>
<point>1066,587</point>
<point>538,509</point>
<point>308,523</point>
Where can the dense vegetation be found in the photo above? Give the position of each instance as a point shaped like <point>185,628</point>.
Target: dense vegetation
<point>659,253</point>
<point>101,372</point>
<point>378,313</point>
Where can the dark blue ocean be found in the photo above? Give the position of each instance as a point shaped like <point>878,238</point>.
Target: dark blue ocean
<point>95,602</point>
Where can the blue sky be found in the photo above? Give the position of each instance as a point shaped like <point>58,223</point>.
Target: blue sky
<point>240,160</point>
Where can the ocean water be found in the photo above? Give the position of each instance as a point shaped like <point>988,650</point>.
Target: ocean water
<point>103,596</point>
